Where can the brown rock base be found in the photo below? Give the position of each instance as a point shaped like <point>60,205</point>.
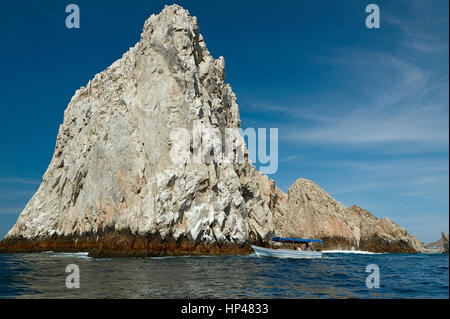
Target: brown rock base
<point>125,244</point>
<point>119,244</point>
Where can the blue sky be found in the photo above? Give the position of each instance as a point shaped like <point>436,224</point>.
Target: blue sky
<point>361,112</point>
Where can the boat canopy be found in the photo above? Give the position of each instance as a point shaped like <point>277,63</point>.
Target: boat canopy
<point>295,240</point>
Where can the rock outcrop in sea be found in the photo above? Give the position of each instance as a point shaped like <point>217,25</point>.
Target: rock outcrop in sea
<point>439,246</point>
<point>445,242</point>
<point>307,211</point>
<point>112,188</point>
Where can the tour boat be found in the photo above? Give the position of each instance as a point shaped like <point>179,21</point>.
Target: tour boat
<point>289,253</point>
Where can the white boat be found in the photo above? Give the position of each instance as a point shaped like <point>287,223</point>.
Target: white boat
<point>285,253</point>
<point>289,253</point>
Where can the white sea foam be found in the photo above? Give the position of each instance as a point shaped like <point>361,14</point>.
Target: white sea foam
<point>83,255</point>
<point>169,257</point>
<point>338,251</point>
<point>183,256</point>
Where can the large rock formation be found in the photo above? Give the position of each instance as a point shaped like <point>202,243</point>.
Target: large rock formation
<point>307,211</point>
<point>111,185</point>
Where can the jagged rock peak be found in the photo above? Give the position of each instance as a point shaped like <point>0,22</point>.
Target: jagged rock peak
<point>309,211</point>
<point>310,191</point>
<point>174,27</point>
<point>112,183</point>
<point>362,212</point>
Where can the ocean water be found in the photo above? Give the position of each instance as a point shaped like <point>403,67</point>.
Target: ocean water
<point>336,275</point>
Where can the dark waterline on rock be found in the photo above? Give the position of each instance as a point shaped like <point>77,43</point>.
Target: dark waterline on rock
<point>337,275</point>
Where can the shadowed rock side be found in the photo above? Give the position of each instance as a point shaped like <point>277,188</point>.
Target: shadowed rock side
<point>111,185</point>
<point>307,211</point>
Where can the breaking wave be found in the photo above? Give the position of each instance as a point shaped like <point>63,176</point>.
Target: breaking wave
<point>83,255</point>
<point>338,251</point>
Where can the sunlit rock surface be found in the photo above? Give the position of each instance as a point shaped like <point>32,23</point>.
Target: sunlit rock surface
<point>111,184</point>
<point>308,211</point>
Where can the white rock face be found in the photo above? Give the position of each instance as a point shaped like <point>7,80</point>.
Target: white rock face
<point>112,169</point>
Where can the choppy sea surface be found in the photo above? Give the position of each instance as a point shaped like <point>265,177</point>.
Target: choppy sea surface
<point>336,275</point>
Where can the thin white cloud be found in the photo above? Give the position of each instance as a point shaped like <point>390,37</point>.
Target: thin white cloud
<point>415,125</point>
<point>429,180</point>
<point>16,193</point>
<point>397,108</point>
<point>415,194</point>
<point>11,210</point>
<point>415,38</point>
<point>390,166</point>
<point>19,180</point>
<point>291,158</point>
<point>405,103</point>
<point>357,188</point>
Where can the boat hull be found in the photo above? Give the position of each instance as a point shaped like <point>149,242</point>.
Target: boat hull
<point>286,253</point>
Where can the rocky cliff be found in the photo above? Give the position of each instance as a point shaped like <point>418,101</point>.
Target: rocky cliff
<point>307,211</point>
<point>112,185</point>
<point>113,189</point>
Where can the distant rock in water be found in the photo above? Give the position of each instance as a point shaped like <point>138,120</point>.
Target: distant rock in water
<point>307,211</point>
<point>445,240</point>
<point>439,246</point>
<point>112,189</point>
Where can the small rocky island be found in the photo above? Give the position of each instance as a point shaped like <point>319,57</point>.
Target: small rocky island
<point>111,188</point>
<point>439,246</point>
